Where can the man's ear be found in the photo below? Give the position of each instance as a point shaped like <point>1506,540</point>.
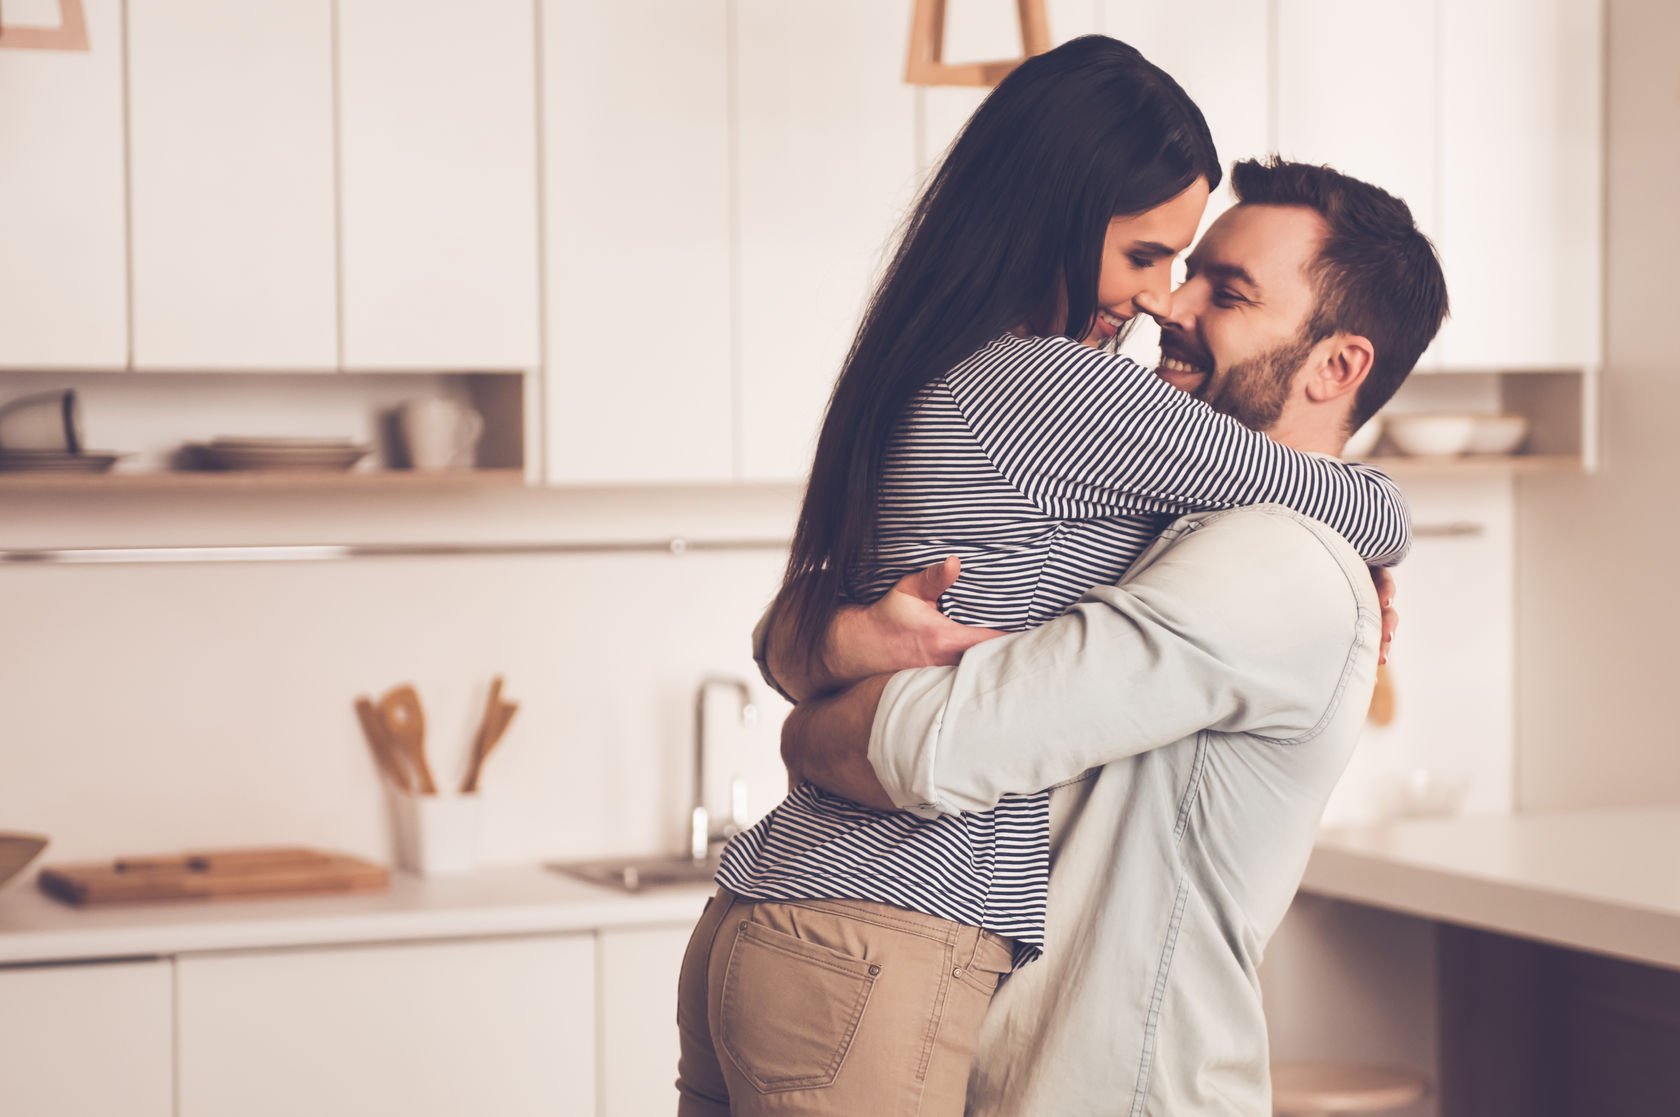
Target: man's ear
<point>1347,361</point>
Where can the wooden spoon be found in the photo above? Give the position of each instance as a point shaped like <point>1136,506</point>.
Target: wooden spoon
<point>400,709</point>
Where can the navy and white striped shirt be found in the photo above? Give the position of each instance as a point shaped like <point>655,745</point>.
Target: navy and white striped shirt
<point>1048,467</point>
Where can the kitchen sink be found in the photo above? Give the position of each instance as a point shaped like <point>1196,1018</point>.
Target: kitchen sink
<point>633,874</point>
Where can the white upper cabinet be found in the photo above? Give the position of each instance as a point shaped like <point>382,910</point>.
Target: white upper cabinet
<point>1522,158</point>
<point>1356,89</point>
<point>640,357</point>
<point>438,184</point>
<point>63,264</point>
<point>827,155</point>
<point>231,163</point>
<point>87,1040</point>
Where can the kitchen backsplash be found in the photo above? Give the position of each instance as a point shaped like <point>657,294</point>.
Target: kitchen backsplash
<point>156,707</point>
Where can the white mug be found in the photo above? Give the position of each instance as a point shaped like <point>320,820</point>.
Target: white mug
<point>44,421</point>
<point>439,433</point>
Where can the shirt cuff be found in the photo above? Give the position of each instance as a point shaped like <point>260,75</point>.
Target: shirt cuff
<point>904,738</point>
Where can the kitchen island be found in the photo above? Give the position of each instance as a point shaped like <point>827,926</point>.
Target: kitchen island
<point>1556,952</point>
<point>1604,881</point>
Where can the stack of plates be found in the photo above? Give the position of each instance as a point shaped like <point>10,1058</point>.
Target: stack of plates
<point>278,453</point>
<point>55,461</point>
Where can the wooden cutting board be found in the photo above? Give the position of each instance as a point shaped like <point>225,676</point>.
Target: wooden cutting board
<point>213,875</point>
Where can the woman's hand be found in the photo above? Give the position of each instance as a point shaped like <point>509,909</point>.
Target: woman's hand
<point>903,629</point>
<point>1384,581</point>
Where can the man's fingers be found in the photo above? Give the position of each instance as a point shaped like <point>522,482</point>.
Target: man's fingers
<point>930,583</point>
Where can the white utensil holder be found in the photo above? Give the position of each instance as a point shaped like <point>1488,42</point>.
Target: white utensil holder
<point>436,835</point>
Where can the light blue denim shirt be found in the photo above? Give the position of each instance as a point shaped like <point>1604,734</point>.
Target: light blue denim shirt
<point>1220,687</point>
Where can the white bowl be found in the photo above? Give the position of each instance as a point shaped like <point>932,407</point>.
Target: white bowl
<point>1425,792</point>
<point>1431,436</point>
<point>1362,441</point>
<point>1498,434</point>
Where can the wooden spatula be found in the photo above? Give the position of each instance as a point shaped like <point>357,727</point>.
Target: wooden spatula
<point>400,710</point>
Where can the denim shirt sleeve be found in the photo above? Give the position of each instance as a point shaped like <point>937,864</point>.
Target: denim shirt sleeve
<point>1243,621</point>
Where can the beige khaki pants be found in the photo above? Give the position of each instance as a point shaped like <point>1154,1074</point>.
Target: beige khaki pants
<point>830,1007</point>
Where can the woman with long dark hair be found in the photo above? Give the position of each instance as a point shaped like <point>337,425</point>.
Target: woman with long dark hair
<point>850,954</point>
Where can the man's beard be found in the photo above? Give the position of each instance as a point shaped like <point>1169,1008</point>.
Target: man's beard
<point>1254,391</point>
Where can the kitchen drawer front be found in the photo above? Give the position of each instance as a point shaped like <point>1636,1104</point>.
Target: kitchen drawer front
<point>87,1040</point>
<point>503,1026</point>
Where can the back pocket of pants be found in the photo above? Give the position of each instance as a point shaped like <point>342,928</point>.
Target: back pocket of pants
<point>790,1008</point>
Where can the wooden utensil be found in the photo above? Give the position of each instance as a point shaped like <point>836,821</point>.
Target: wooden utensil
<point>497,715</point>
<point>1382,699</point>
<point>403,718</point>
<point>384,751</point>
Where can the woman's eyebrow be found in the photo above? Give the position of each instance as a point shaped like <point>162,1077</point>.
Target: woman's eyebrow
<point>1153,248</point>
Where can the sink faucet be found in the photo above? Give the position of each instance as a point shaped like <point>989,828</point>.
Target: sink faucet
<point>701,833</point>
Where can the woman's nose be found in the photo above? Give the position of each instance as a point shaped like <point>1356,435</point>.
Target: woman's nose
<point>1155,302</point>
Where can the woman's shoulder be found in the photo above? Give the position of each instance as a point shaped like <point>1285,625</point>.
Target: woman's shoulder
<point>1011,361</point>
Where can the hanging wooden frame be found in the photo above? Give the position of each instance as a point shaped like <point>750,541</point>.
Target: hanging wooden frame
<point>70,34</point>
<point>926,63</point>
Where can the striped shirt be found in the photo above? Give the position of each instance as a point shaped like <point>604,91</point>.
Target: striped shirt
<point>1048,467</point>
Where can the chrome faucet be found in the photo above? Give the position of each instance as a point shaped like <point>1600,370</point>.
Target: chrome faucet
<point>701,833</point>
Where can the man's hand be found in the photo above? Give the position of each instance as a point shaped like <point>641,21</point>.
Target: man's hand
<point>903,629</point>
<point>1384,581</point>
<point>826,743</point>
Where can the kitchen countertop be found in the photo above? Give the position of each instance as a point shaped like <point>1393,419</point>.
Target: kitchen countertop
<point>512,900</point>
<point>1605,881</point>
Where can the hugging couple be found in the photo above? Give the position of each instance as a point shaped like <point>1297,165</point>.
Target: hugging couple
<point>1078,648</point>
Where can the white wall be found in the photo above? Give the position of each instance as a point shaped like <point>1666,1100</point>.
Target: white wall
<point>169,706</point>
<point>1597,608</point>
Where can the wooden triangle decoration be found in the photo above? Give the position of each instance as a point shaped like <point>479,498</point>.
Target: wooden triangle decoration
<point>70,34</point>
<point>926,64</point>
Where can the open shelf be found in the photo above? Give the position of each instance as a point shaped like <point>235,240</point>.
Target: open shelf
<point>291,480</point>
<point>1478,464</point>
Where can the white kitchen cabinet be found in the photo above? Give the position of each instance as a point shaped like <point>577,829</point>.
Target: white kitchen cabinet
<point>638,1025</point>
<point>438,184</point>
<point>639,377</point>
<point>1382,128</point>
<point>87,1040</point>
<point>1522,156</point>
<point>826,157</point>
<point>437,1029</point>
<point>231,181</point>
<point>63,260</point>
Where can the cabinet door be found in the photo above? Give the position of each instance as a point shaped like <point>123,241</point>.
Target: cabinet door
<point>1383,128</point>
<point>638,972</point>
<point>63,268</point>
<point>826,136</point>
<point>502,1026</point>
<point>640,362</point>
<point>91,1040</point>
<point>438,180</point>
<point>231,163</point>
<point>1521,162</point>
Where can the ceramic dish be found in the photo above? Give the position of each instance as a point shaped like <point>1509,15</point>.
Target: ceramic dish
<point>1498,434</point>
<point>55,461</point>
<point>272,456</point>
<point>1431,436</point>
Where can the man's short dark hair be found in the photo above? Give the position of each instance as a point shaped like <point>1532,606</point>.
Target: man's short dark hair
<point>1376,275</point>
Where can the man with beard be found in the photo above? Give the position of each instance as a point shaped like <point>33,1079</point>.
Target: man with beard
<point>1193,718</point>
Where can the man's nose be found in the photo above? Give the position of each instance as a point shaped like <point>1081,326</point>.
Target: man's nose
<point>1179,311</point>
